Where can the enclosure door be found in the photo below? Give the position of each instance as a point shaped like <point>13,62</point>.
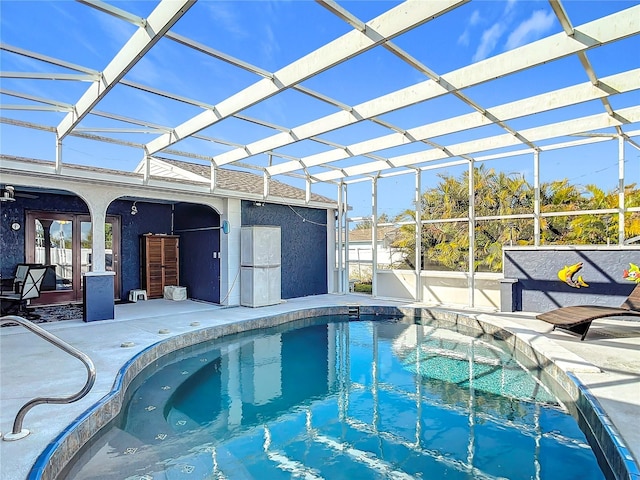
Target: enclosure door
<point>64,241</point>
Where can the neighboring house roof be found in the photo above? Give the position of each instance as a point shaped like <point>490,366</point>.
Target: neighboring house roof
<point>226,179</point>
<point>364,234</point>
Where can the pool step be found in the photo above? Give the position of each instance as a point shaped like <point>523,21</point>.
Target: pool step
<point>354,311</point>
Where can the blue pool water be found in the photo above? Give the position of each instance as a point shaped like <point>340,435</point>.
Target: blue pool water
<point>333,399</point>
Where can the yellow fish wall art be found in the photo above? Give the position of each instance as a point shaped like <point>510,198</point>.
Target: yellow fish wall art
<point>567,273</point>
<point>633,274</point>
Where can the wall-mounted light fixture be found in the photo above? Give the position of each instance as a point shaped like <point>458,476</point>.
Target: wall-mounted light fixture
<point>258,204</point>
<point>7,194</point>
<point>134,209</point>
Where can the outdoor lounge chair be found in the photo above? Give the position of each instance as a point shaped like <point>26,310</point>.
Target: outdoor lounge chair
<point>577,319</point>
<point>12,284</point>
<point>11,303</point>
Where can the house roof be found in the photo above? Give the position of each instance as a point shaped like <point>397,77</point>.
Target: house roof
<point>227,180</point>
<point>236,180</point>
<point>364,234</point>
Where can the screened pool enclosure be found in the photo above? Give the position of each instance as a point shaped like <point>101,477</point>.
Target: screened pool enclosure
<point>401,112</point>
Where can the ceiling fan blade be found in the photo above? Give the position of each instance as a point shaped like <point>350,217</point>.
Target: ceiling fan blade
<point>25,195</point>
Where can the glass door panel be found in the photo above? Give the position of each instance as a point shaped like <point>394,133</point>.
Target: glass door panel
<point>111,255</point>
<point>64,240</point>
<point>54,246</point>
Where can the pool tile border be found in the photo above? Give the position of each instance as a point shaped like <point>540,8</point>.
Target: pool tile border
<point>592,418</point>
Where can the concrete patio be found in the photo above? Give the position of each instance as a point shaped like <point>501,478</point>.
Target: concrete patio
<point>607,362</point>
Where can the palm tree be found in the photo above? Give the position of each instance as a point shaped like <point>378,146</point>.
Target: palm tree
<point>446,244</point>
<point>632,221</point>
<point>593,229</point>
<point>557,196</point>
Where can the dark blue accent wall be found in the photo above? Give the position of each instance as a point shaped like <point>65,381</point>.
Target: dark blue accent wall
<point>151,218</point>
<point>304,240</point>
<point>199,270</point>
<point>540,290</point>
<point>304,245</point>
<point>12,243</point>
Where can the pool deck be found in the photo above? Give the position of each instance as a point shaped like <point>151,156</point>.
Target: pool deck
<point>607,362</point>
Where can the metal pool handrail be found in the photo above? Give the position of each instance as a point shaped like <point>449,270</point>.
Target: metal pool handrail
<point>18,432</point>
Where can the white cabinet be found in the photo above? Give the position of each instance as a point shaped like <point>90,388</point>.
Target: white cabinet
<point>260,246</point>
<point>260,286</point>
<point>260,271</point>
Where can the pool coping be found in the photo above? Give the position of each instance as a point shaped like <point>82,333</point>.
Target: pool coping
<point>556,362</point>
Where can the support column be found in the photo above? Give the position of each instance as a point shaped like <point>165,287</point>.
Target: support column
<point>374,236</point>
<point>536,199</point>
<point>230,254</point>
<point>340,251</point>
<point>58,154</point>
<point>213,178</point>
<point>97,285</point>
<point>147,169</point>
<point>620,190</point>
<point>472,233</point>
<point>418,237</point>
<point>46,236</point>
<point>346,272</point>
<point>98,248</point>
<point>332,242</point>
<point>266,179</point>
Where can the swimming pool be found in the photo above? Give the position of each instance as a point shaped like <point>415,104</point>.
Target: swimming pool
<point>329,398</point>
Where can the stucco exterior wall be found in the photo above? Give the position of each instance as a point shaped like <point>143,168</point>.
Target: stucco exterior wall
<point>12,243</point>
<point>199,250</point>
<point>304,245</point>
<point>540,289</point>
<point>155,218</point>
<point>440,288</point>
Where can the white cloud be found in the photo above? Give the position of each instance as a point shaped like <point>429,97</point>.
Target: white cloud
<point>464,38</point>
<point>489,41</point>
<point>270,47</point>
<point>531,29</point>
<point>225,15</point>
<point>474,19</point>
<point>117,31</point>
<point>511,4</point>
<point>145,71</point>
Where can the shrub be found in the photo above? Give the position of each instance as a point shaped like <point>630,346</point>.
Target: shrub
<point>362,287</point>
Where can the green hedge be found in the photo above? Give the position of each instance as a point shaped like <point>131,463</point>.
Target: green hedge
<point>362,288</point>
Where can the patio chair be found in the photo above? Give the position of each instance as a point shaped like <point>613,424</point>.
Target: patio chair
<point>16,302</point>
<point>12,284</point>
<point>577,319</point>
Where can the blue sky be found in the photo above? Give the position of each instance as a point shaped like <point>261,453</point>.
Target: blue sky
<point>270,35</point>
